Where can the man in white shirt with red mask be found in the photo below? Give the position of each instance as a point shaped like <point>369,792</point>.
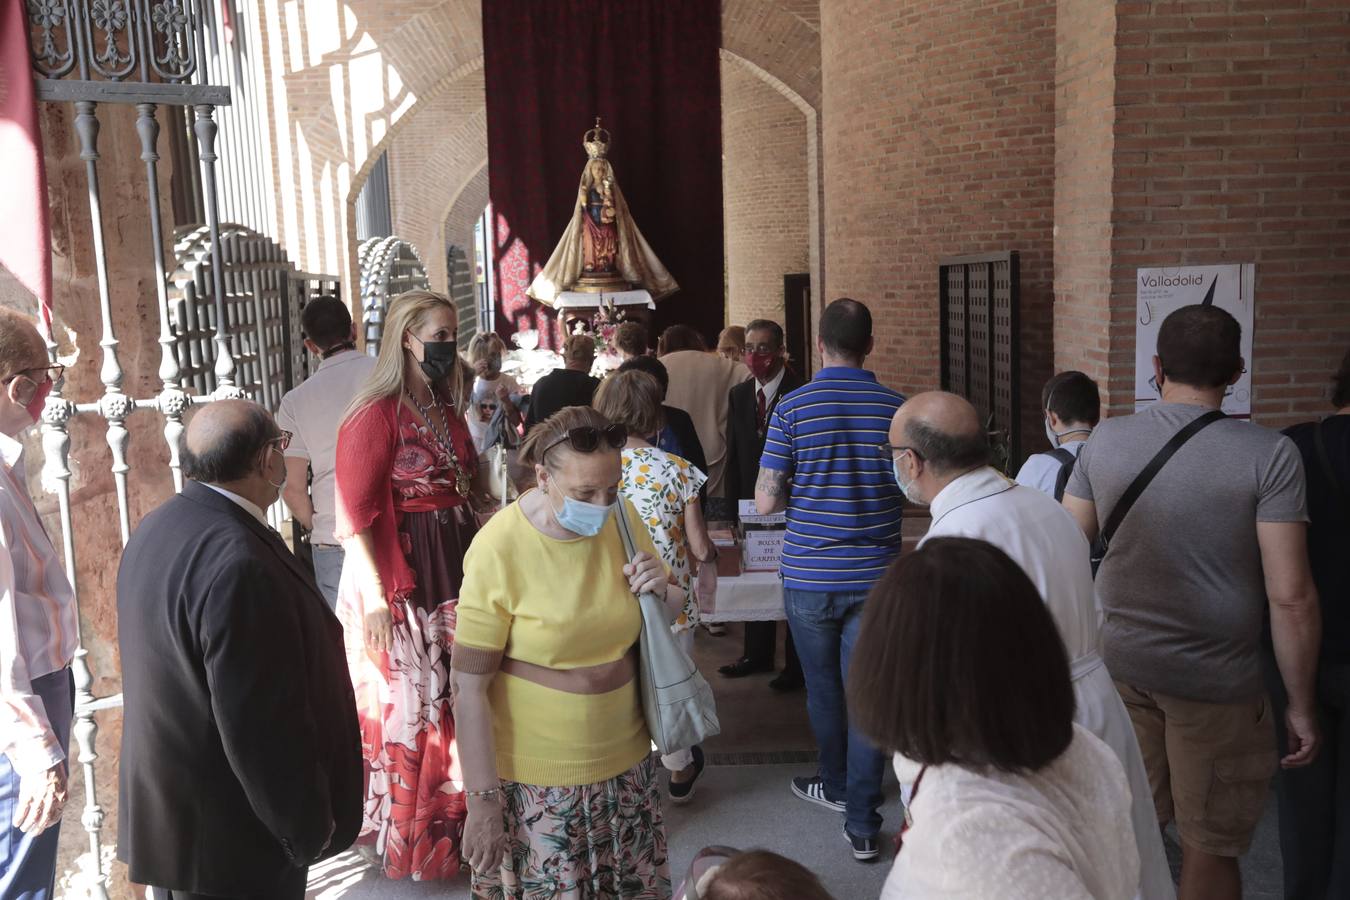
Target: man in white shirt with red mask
<point>37,634</point>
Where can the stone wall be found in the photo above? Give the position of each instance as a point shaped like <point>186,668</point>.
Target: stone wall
<point>765,194</point>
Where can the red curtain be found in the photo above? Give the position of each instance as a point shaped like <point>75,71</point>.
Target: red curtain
<point>25,248</point>
<point>649,69</point>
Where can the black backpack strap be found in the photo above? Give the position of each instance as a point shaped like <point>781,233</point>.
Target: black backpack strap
<point>1066,462</point>
<point>1143,479</point>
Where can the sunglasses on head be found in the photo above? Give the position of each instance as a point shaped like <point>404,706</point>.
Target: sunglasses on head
<point>587,439</point>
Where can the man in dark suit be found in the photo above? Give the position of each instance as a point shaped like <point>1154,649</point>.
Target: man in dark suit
<point>572,385</point>
<point>750,404</point>
<point>241,755</point>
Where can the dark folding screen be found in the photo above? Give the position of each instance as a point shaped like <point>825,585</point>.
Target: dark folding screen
<point>978,298</point>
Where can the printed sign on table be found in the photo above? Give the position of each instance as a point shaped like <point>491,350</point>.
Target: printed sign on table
<point>1161,291</point>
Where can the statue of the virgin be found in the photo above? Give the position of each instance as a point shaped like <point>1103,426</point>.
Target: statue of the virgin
<point>602,250</point>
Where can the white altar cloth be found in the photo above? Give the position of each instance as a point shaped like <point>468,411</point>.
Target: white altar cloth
<point>584,300</point>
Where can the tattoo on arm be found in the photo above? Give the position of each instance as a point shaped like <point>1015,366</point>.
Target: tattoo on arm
<point>771,482</point>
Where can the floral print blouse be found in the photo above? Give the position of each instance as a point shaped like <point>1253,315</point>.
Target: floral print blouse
<point>660,485</point>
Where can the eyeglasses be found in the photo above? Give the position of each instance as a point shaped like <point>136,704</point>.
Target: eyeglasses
<point>587,439</point>
<point>282,440</point>
<point>890,452</point>
<point>54,372</point>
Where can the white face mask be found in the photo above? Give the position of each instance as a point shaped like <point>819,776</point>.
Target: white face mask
<point>1056,437</point>
<point>906,489</point>
<point>282,484</point>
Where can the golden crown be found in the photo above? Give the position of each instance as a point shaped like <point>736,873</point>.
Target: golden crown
<point>596,141</point>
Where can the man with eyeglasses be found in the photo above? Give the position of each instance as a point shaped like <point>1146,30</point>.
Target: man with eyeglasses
<point>241,754</point>
<point>939,452</point>
<point>37,635</point>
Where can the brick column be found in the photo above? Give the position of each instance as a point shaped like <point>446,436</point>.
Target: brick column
<point>765,194</point>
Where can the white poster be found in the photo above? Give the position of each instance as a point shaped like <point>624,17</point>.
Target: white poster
<point>1160,291</point>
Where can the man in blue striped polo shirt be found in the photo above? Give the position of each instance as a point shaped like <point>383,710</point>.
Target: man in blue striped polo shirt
<point>821,464</point>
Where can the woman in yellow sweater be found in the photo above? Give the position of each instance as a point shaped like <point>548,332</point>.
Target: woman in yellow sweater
<point>562,792</point>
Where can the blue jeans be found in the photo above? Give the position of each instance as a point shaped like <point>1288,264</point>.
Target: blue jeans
<point>328,571</point>
<point>28,861</point>
<point>824,628</point>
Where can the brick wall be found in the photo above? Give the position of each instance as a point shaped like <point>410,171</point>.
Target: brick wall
<point>938,140</point>
<point>343,79</point>
<point>1232,144</point>
<point>430,160</point>
<point>765,194</point>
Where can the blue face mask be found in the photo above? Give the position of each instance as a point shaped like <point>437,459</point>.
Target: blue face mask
<point>580,517</point>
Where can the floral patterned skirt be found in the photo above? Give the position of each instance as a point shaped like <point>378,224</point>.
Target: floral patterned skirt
<point>414,805</point>
<point>593,842</point>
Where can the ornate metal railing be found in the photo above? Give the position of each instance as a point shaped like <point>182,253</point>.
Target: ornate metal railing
<point>228,302</point>
<point>389,266</point>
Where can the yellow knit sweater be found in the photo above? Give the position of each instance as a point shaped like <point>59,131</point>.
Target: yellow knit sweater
<point>563,604</point>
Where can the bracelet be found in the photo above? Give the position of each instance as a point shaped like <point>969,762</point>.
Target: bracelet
<point>490,792</point>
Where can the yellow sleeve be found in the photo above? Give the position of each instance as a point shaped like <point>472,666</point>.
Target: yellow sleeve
<point>483,617</point>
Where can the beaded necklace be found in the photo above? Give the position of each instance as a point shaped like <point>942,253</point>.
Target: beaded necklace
<point>442,435</point>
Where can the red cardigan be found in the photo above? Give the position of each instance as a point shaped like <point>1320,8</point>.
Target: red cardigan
<point>364,492</point>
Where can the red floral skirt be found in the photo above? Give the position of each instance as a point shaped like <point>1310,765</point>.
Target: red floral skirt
<point>414,802</point>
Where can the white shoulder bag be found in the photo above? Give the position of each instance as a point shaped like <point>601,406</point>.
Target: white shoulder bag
<point>676,700</point>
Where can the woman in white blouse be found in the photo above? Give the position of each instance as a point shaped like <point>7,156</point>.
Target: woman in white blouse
<point>960,670</point>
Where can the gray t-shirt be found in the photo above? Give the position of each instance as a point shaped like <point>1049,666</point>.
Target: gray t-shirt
<point>1182,586</point>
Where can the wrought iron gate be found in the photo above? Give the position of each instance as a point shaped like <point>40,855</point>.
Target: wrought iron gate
<point>389,266</point>
<point>978,300</point>
<point>229,300</point>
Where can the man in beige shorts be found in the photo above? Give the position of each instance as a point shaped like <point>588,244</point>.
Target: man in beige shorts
<point>1215,539</point>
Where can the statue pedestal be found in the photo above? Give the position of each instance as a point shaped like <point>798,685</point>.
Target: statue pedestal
<point>581,306</point>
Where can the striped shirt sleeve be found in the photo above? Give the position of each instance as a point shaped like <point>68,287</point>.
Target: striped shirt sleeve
<point>777,444</point>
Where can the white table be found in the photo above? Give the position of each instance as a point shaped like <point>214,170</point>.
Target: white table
<point>751,597</point>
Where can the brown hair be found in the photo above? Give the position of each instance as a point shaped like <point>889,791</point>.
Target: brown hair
<point>19,343</point>
<point>1200,346</point>
<point>761,875</point>
<point>554,428</point>
<point>680,337</point>
<point>631,338</point>
<point>958,661</point>
<point>632,399</point>
<point>732,339</point>
<point>579,348</point>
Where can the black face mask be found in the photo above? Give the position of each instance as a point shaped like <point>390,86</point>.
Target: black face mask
<point>439,358</point>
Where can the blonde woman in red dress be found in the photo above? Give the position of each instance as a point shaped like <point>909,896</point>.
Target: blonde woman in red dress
<point>405,467</point>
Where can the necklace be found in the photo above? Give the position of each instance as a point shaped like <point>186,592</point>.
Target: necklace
<point>442,434</point>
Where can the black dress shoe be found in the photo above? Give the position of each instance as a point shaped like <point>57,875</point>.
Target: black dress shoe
<point>743,667</point>
<point>786,683</point>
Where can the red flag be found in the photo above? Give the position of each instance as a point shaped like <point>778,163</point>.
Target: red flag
<point>25,243</point>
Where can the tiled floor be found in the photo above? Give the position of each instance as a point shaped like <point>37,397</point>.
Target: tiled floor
<point>743,800</point>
